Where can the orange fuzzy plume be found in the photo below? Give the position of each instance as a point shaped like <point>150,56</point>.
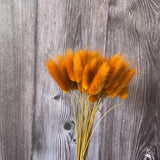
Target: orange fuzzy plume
<point>56,73</point>
<point>69,65</point>
<point>99,79</point>
<point>116,66</point>
<point>89,73</point>
<point>101,59</point>
<point>93,54</point>
<point>124,93</point>
<point>93,98</point>
<point>114,59</point>
<point>84,57</point>
<point>90,70</point>
<point>117,78</point>
<point>78,68</point>
<point>116,63</point>
<point>80,86</point>
<point>124,82</point>
<point>61,64</point>
<point>62,67</point>
<point>85,80</point>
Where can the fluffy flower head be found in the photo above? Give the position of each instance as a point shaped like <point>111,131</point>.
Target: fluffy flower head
<point>90,72</point>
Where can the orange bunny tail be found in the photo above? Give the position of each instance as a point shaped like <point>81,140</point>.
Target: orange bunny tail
<point>55,71</point>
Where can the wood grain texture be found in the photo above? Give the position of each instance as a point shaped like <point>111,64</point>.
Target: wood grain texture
<point>17,48</point>
<point>132,132</point>
<point>36,118</point>
<point>62,25</point>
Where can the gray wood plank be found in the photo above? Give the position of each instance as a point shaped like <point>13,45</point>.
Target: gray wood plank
<point>17,48</point>
<point>63,25</point>
<point>30,30</point>
<point>132,132</point>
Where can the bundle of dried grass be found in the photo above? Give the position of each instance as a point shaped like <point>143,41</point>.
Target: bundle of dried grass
<point>92,77</point>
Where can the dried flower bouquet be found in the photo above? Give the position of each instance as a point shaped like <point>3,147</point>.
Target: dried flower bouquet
<point>89,78</point>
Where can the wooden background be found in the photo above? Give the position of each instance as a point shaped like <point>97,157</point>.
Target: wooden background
<point>36,119</point>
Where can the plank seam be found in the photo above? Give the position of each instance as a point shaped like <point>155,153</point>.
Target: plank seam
<point>35,75</point>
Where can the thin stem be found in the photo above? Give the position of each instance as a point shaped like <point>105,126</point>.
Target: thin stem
<point>81,123</point>
<point>103,103</point>
<point>89,128</point>
<point>75,116</point>
<point>102,106</point>
<point>101,120</point>
<point>86,112</point>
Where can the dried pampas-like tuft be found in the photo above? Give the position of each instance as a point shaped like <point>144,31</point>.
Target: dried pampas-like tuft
<point>88,78</point>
